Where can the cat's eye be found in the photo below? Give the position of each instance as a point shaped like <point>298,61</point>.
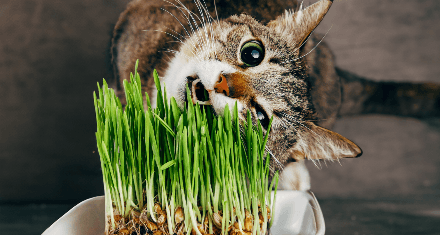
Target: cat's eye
<point>252,53</point>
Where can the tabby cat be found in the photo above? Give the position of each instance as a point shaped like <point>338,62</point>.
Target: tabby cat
<point>264,57</point>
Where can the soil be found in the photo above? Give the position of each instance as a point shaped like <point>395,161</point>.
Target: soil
<point>140,223</point>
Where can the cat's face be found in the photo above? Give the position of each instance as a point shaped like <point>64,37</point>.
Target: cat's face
<point>259,67</point>
<point>241,61</point>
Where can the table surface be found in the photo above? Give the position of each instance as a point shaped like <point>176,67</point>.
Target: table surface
<point>343,216</point>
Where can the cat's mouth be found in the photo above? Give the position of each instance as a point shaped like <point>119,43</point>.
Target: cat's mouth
<point>198,93</point>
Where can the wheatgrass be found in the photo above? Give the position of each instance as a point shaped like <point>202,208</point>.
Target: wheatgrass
<point>158,163</point>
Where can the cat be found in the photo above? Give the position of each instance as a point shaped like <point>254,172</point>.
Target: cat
<point>261,54</point>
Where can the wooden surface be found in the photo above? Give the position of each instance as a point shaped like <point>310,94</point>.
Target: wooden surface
<point>342,217</point>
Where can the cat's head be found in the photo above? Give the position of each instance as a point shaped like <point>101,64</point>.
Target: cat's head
<point>259,67</point>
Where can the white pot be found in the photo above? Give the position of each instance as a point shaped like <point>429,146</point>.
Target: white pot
<point>296,212</point>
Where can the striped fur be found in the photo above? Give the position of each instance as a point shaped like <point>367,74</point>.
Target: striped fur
<point>297,82</point>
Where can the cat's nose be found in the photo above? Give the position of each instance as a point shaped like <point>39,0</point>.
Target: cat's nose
<point>221,86</point>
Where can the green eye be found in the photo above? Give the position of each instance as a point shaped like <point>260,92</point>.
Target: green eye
<point>252,53</point>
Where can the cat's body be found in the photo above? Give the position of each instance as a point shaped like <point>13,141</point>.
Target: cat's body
<point>296,79</point>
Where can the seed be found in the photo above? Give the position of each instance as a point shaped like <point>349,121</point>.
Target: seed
<point>200,228</point>
<point>247,214</point>
<point>235,232</point>
<point>178,215</point>
<point>144,216</point>
<point>238,232</point>
<point>118,219</point>
<point>180,229</point>
<point>124,231</point>
<point>157,232</point>
<point>260,216</point>
<point>157,208</point>
<point>206,222</point>
<point>135,215</point>
<point>248,224</point>
<point>217,220</point>
<point>268,211</point>
<point>162,218</point>
<point>151,226</point>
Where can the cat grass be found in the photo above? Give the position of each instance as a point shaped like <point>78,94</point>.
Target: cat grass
<point>173,171</point>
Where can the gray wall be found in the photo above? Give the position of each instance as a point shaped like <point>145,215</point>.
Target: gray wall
<point>396,40</point>
<point>53,52</point>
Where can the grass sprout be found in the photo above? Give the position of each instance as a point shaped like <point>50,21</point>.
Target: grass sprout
<point>172,171</point>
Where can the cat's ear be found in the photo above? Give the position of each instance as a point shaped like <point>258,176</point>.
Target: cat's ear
<point>315,142</point>
<point>297,26</point>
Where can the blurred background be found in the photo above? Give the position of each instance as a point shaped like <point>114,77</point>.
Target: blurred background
<point>53,52</point>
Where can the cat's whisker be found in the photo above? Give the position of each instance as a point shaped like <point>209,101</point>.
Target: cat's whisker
<point>319,139</point>
<point>209,14</point>
<point>204,14</point>
<point>171,51</point>
<point>339,161</point>
<point>156,30</point>
<point>202,17</point>
<point>168,58</point>
<point>173,31</point>
<point>205,9</point>
<point>189,17</point>
<point>215,9</point>
<point>192,23</point>
<point>201,22</point>
<point>290,119</point>
<point>297,49</point>
<point>272,168</point>
<point>210,20</point>
<point>199,45</point>
<point>295,120</point>
<point>179,40</point>
<point>177,52</point>
<point>284,125</point>
<point>194,26</point>
<point>180,22</point>
<point>314,163</point>
<point>272,156</point>
<point>278,53</point>
<point>313,47</point>
<point>172,42</point>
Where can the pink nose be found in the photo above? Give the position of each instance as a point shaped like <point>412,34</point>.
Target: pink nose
<point>221,86</point>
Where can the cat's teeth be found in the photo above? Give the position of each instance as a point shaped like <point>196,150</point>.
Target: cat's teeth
<point>203,102</point>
